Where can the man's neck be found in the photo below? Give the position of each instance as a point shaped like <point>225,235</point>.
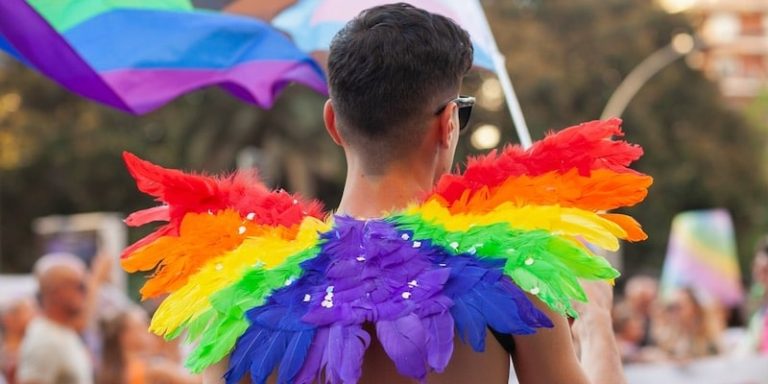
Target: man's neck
<point>58,318</point>
<point>368,196</point>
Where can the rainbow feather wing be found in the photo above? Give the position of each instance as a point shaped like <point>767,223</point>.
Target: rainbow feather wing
<point>219,233</point>
<point>532,209</point>
<point>256,275</point>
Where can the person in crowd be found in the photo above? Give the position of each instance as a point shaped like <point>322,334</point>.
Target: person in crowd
<point>105,301</point>
<point>130,354</point>
<point>640,295</point>
<point>15,314</point>
<point>684,330</point>
<point>52,350</point>
<point>630,331</point>
<point>628,327</point>
<point>757,336</point>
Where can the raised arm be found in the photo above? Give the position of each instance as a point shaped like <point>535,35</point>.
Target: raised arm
<point>537,355</point>
<point>600,356</point>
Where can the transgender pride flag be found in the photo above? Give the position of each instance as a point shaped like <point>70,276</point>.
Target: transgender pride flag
<point>313,23</point>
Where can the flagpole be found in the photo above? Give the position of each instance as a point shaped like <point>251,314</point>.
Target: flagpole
<point>499,65</point>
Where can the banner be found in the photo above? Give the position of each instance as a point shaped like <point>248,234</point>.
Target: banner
<point>702,255</point>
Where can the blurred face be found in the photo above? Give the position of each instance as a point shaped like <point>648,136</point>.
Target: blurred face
<point>66,290</point>
<point>760,269</point>
<point>135,335</point>
<point>16,318</point>
<point>642,293</point>
<point>683,307</point>
<point>633,330</point>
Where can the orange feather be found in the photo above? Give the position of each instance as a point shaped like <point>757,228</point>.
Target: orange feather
<point>631,226</point>
<point>600,190</point>
<point>202,237</point>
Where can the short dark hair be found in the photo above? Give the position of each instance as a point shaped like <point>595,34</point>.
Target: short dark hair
<point>387,70</point>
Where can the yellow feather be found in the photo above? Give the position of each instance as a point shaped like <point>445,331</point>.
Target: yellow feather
<point>572,222</point>
<point>268,250</point>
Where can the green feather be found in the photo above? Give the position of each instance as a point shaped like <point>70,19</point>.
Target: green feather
<point>538,261</point>
<point>227,320</point>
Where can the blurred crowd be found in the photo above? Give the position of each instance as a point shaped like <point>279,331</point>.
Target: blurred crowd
<point>683,325</point>
<point>80,330</point>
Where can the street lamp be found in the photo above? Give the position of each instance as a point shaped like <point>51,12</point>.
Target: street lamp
<point>680,46</point>
<point>486,137</point>
<point>675,6</point>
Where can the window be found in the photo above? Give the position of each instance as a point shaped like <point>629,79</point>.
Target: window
<point>722,27</point>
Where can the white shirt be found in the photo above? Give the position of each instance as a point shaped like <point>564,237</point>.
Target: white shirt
<point>53,354</point>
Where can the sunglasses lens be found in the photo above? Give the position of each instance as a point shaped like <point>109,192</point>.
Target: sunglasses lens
<point>464,114</point>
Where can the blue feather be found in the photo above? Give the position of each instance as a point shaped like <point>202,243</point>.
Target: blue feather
<point>500,311</point>
<point>470,324</point>
<point>294,356</point>
<point>240,361</point>
<point>533,316</point>
<point>267,355</point>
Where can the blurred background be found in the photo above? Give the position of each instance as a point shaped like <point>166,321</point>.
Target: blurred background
<point>695,98</point>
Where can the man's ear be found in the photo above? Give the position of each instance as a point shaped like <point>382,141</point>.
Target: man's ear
<point>329,116</point>
<point>448,125</point>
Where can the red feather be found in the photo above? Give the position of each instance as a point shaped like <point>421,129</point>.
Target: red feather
<point>185,193</point>
<point>585,147</point>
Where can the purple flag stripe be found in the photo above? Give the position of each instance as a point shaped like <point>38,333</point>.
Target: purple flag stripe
<point>148,89</point>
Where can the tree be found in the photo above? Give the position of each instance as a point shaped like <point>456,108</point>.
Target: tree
<point>567,56</point>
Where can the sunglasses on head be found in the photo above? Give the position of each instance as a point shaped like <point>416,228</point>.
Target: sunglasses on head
<point>465,104</point>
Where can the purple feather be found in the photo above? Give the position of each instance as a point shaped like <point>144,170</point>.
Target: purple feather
<point>336,352</point>
<point>356,342</point>
<point>439,340</point>
<point>404,340</point>
<point>334,355</point>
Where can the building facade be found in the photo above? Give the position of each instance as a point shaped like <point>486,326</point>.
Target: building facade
<point>734,34</point>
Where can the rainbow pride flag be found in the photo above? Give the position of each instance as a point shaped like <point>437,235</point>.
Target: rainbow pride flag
<point>702,255</point>
<point>137,55</point>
